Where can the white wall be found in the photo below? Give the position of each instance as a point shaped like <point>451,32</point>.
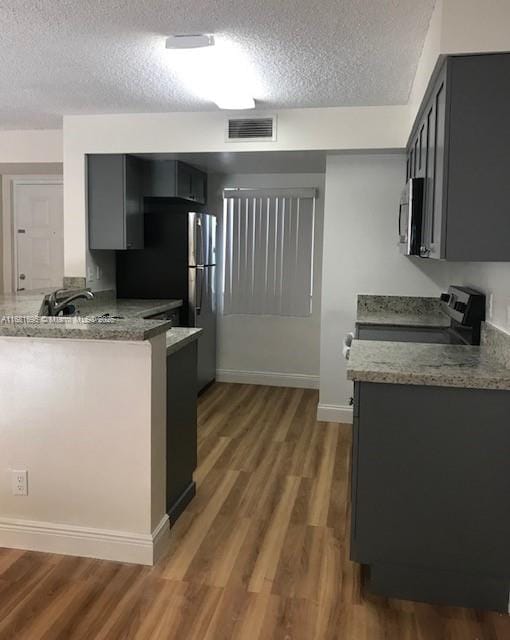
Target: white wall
<point>272,349</point>
<point>475,25</point>
<point>298,129</point>
<point>460,26</point>
<point>360,255</point>
<point>87,420</point>
<point>40,145</point>
<point>427,62</point>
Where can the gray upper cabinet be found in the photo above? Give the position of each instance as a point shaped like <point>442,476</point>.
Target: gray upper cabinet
<point>459,144</point>
<point>115,201</point>
<point>175,179</point>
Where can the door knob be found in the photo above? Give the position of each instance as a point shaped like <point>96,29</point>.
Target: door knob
<point>22,276</point>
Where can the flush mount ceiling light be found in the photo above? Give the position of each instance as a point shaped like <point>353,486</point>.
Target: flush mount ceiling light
<point>213,68</point>
<point>191,41</point>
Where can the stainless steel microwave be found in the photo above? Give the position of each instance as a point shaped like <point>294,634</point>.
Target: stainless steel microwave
<point>410,217</point>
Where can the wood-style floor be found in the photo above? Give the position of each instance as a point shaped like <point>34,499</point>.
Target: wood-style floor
<point>261,553</point>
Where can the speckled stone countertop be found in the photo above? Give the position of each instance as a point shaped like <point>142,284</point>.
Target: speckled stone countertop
<point>179,337</point>
<point>481,367</point>
<point>401,311</point>
<point>82,328</point>
<point>19,318</point>
<point>127,308</point>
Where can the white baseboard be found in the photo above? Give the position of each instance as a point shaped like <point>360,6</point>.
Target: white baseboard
<point>86,542</point>
<point>160,539</point>
<point>269,378</point>
<point>334,413</point>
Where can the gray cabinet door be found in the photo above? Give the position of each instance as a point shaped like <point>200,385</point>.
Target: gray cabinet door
<point>438,209</point>
<point>460,143</point>
<point>427,149</point>
<point>184,175</point>
<point>175,179</point>
<point>181,443</point>
<point>430,490</point>
<point>428,200</point>
<point>478,166</point>
<point>424,457</point>
<point>134,203</point>
<point>160,179</point>
<point>199,186</point>
<point>115,204</point>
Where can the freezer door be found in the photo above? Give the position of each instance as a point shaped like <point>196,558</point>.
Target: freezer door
<point>196,252</point>
<point>209,236</point>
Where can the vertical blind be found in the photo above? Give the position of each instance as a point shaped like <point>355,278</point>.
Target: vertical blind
<point>268,240</point>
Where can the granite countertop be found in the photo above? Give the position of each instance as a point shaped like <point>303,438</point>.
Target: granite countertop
<point>403,311</point>
<point>125,307</point>
<point>179,337</point>
<point>477,367</point>
<point>19,318</point>
<point>426,364</point>
<point>81,328</point>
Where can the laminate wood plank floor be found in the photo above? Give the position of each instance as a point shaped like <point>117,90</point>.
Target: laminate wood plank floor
<point>262,552</point>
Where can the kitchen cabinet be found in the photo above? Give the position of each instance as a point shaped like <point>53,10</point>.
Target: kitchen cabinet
<point>459,145</point>
<point>175,179</point>
<point>115,201</point>
<point>430,492</point>
<point>181,442</point>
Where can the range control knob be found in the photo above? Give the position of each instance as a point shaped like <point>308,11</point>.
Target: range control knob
<point>460,307</point>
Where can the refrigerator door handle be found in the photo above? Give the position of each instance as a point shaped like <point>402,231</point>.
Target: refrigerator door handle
<point>195,240</point>
<point>200,290</point>
<point>200,243</point>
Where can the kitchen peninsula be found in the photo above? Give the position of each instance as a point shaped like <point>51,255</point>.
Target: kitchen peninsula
<point>84,413</point>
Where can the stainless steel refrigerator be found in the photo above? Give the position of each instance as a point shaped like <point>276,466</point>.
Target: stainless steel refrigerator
<point>202,291</point>
<point>178,262</point>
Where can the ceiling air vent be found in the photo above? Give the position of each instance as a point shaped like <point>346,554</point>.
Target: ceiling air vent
<point>239,129</point>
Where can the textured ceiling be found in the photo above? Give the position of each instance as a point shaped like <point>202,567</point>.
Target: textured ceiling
<point>107,56</point>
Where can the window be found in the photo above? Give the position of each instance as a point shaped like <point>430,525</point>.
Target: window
<point>268,251</point>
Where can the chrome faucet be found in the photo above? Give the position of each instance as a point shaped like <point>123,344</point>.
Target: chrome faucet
<point>58,300</point>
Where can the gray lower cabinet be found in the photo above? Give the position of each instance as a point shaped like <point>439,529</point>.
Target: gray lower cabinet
<point>430,487</point>
<point>181,440</point>
<point>115,201</point>
<point>459,145</point>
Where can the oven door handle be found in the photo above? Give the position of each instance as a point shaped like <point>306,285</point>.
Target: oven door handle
<point>346,347</point>
<point>400,221</point>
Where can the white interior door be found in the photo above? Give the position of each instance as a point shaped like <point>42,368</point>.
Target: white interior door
<point>39,235</point>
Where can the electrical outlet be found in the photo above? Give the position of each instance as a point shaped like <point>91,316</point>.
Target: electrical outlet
<point>490,305</point>
<point>91,273</point>
<point>19,482</point>
<point>99,273</point>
